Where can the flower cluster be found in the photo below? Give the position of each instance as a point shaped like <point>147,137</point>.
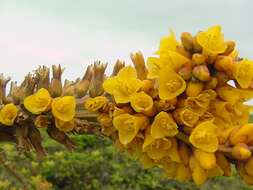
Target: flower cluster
<point>62,108</point>
<point>187,111</point>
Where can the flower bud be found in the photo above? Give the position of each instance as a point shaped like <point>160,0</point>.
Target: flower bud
<point>117,67</point>
<point>187,41</point>
<point>230,47</point>
<point>241,152</point>
<point>139,64</point>
<point>198,58</point>
<point>201,72</point>
<point>56,83</point>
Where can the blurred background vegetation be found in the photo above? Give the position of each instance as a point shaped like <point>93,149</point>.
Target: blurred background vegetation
<point>94,165</point>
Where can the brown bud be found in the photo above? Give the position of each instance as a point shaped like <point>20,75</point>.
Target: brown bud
<point>56,83</point>
<point>117,67</point>
<point>139,64</point>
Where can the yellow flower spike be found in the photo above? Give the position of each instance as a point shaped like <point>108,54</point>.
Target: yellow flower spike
<point>8,114</point>
<point>163,126</point>
<point>38,102</point>
<point>170,84</point>
<point>41,121</point>
<point>243,134</point>
<point>122,86</point>
<point>63,108</point>
<point>156,148</point>
<point>207,160</point>
<point>244,73</point>
<point>183,173</point>
<point>168,43</point>
<point>241,152</point>
<point>141,102</point>
<point>94,104</point>
<point>128,126</point>
<point>212,40</point>
<point>223,163</point>
<point>204,138</point>
<point>65,126</point>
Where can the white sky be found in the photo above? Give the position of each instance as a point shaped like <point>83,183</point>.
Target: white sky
<point>75,33</point>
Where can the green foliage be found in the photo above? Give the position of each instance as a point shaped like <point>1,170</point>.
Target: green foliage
<point>95,165</point>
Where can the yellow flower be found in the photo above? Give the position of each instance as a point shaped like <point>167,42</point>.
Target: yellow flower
<point>163,126</point>
<point>141,102</point>
<point>123,85</point>
<point>186,116</point>
<point>204,138</point>
<point>212,40</point>
<point>168,43</point>
<point>65,126</point>
<point>63,108</point>
<point>156,148</point>
<point>8,114</point>
<point>38,102</point>
<point>94,104</point>
<point>128,126</point>
<point>244,73</point>
<point>170,84</point>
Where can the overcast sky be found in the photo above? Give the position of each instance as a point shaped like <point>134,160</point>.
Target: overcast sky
<point>75,33</point>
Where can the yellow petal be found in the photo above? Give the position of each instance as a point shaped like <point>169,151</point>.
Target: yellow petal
<point>170,84</point>
<point>128,126</point>
<point>38,102</point>
<point>168,43</point>
<point>163,126</point>
<point>203,137</point>
<point>63,108</point>
<point>174,60</point>
<point>212,40</point>
<point>127,72</point>
<point>154,65</point>
<point>8,114</point>
<point>244,73</point>
<point>207,160</point>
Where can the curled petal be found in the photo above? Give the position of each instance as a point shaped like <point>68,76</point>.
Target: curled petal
<point>203,137</point>
<point>63,108</point>
<point>8,114</point>
<point>38,102</point>
<point>163,126</point>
